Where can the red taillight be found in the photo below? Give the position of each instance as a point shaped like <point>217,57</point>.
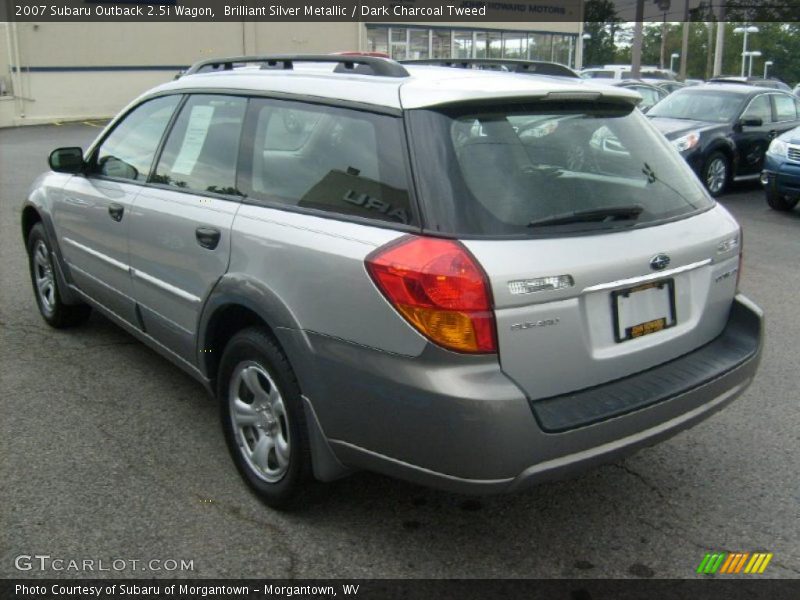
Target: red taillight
<point>439,287</point>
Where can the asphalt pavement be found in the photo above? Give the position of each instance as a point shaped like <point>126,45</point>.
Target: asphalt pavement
<point>108,452</point>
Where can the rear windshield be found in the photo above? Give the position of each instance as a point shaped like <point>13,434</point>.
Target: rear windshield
<point>547,169</point>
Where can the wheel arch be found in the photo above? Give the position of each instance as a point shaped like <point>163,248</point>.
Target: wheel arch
<point>239,301</point>
<point>236,302</point>
<point>31,216</point>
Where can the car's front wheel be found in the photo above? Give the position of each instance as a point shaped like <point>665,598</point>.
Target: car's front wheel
<point>716,173</point>
<point>780,202</point>
<point>263,419</point>
<point>45,284</point>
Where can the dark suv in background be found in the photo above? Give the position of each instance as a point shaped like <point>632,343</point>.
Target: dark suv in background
<point>723,130</point>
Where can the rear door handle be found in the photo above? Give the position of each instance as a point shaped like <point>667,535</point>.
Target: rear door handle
<point>116,211</point>
<point>207,237</point>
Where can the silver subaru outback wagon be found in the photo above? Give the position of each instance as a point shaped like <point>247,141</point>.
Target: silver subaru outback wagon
<point>466,279</point>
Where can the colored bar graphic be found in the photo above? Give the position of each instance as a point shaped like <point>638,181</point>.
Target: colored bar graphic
<point>734,562</point>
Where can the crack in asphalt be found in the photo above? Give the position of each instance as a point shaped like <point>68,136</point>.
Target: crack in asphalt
<point>651,486</point>
<point>279,535</point>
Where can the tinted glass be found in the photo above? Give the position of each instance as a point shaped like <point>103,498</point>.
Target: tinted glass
<point>759,108</point>
<point>128,151</point>
<point>785,108</point>
<point>329,159</point>
<point>705,105</point>
<point>500,170</point>
<point>203,146</point>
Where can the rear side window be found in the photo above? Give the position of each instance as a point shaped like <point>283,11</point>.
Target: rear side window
<point>526,170</point>
<point>327,158</point>
<point>129,149</point>
<point>785,109</point>
<point>203,146</point>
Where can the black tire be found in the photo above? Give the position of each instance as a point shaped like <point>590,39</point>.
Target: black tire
<point>254,352</point>
<point>716,183</point>
<point>45,284</point>
<point>780,202</point>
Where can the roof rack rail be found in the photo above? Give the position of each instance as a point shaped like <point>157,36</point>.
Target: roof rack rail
<point>538,67</point>
<point>363,65</point>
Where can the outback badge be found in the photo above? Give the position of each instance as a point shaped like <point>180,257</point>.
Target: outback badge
<point>659,262</point>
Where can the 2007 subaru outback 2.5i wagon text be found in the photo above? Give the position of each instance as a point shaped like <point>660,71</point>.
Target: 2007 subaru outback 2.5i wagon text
<point>467,279</point>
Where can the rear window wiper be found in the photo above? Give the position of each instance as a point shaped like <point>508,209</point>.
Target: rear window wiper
<point>610,213</point>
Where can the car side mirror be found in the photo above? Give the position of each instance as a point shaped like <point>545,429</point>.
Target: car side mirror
<point>751,122</point>
<point>66,160</point>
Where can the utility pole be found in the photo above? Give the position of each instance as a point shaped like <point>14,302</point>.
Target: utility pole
<point>636,50</point>
<point>720,47</point>
<point>685,41</point>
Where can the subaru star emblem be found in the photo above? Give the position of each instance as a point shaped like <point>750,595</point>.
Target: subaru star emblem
<point>659,262</point>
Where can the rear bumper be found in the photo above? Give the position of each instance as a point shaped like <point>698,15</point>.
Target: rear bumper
<point>472,430</point>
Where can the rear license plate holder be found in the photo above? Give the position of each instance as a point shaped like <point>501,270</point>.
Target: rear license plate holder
<point>643,309</point>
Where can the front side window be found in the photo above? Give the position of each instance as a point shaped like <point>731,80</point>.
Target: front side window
<point>203,145</point>
<point>521,170</point>
<point>129,149</point>
<point>759,108</point>
<point>330,159</point>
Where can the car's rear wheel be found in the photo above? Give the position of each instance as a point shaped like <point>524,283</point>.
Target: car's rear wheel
<point>263,419</point>
<point>778,201</point>
<point>45,284</point>
<point>716,173</point>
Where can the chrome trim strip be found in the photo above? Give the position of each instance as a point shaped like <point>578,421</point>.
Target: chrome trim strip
<point>104,257</point>
<point>645,278</point>
<point>165,286</point>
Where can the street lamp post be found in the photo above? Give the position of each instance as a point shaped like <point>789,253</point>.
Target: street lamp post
<point>672,60</point>
<point>579,55</point>
<point>750,55</point>
<point>747,29</point>
<point>767,65</point>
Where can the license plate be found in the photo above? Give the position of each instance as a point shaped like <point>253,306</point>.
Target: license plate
<point>644,309</point>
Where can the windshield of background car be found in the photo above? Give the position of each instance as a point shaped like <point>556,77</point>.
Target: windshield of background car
<point>508,170</point>
<point>707,105</point>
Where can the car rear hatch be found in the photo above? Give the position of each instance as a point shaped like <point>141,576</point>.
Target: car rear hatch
<point>615,314</point>
<point>605,255</point>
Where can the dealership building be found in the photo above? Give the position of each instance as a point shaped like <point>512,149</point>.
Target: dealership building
<point>54,71</point>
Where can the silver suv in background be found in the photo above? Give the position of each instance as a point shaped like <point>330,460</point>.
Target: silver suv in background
<point>469,279</point>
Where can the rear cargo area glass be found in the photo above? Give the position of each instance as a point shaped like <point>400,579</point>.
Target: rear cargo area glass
<point>508,170</point>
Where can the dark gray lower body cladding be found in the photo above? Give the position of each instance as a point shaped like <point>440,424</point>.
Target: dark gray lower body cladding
<point>738,342</point>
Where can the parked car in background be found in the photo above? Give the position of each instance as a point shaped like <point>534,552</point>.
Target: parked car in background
<point>781,174</point>
<point>624,72</point>
<point>723,130</point>
<point>467,279</point>
<point>689,82</point>
<point>508,65</point>
<point>651,94</point>
<point>667,86</point>
<point>776,84</point>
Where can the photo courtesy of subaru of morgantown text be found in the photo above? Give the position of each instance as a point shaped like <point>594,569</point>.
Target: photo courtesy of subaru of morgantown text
<point>468,278</point>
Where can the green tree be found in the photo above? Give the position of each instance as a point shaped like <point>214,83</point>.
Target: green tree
<point>602,24</point>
